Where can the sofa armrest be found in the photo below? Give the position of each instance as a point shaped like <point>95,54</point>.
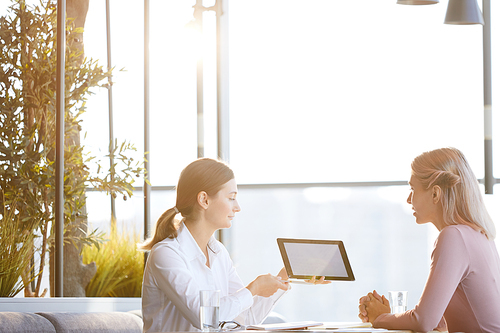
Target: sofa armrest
<point>96,322</point>
<point>17,322</point>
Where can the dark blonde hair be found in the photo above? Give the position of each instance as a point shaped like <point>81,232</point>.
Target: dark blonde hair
<point>461,197</point>
<point>204,174</point>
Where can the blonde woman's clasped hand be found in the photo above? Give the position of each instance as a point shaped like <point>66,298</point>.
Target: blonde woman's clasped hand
<point>371,306</point>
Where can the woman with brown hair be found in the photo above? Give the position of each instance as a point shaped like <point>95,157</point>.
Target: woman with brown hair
<point>462,293</point>
<point>185,257</point>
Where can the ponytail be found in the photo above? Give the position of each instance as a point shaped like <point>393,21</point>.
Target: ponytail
<point>166,227</point>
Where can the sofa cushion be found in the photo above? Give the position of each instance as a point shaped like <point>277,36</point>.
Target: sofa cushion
<point>138,313</point>
<point>97,322</point>
<point>23,322</point>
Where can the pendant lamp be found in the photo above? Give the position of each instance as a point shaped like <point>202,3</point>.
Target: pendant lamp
<point>417,2</point>
<point>463,12</point>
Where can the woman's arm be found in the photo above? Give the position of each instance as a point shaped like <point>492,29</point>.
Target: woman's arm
<point>181,281</point>
<point>177,282</point>
<point>449,265</point>
<point>260,306</point>
<point>181,286</point>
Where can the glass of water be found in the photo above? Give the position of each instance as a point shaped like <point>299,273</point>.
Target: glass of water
<point>398,301</point>
<point>209,310</point>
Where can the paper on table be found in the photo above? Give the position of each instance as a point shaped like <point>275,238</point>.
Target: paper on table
<point>342,324</point>
<point>284,326</point>
<point>366,329</point>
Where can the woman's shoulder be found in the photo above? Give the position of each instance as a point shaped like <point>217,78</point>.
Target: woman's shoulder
<point>168,244</point>
<point>175,243</point>
<point>458,230</point>
<point>450,235</point>
<point>461,236</point>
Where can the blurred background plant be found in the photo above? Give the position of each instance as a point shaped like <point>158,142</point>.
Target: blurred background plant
<point>119,265</point>
<point>16,252</point>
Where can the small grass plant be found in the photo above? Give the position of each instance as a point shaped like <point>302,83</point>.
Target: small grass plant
<point>119,265</point>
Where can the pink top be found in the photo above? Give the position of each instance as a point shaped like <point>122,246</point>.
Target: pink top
<point>463,286</point>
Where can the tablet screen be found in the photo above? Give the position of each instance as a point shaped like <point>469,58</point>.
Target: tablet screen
<point>304,258</point>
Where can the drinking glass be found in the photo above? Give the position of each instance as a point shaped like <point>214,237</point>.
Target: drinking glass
<point>398,301</point>
<point>209,310</point>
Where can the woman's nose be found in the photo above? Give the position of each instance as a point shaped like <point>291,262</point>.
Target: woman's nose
<point>409,199</point>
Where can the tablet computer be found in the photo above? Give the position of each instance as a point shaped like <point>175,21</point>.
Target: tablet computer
<point>304,258</point>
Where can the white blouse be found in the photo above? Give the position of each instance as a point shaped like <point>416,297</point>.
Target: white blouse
<point>176,272</point>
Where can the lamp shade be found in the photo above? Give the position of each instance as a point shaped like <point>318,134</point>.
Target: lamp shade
<point>463,12</point>
<point>417,2</point>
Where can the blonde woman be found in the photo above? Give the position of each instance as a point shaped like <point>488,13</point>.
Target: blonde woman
<point>185,257</point>
<point>462,293</point>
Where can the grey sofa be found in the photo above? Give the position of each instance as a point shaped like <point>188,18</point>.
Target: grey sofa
<point>82,322</point>
<point>70,322</point>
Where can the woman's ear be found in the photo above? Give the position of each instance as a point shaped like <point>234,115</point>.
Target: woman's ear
<point>202,199</point>
<point>436,194</point>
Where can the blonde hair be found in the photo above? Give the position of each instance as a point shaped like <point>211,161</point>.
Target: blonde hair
<point>204,174</point>
<point>461,197</point>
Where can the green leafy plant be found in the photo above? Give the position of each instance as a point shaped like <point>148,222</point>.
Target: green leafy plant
<point>16,255</point>
<point>27,129</point>
<point>119,266</point>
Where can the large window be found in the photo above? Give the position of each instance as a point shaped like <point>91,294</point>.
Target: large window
<point>172,96</point>
<point>339,91</point>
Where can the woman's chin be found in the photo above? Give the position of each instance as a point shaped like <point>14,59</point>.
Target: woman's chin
<point>420,221</point>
